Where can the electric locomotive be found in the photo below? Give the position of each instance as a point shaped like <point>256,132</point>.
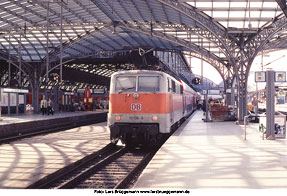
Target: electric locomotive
<point>145,105</point>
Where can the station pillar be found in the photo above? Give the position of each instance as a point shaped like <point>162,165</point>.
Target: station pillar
<point>270,98</point>
<point>55,99</point>
<point>241,81</point>
<point>0,110</point>
<point>35,99</point>
<point>35,91</point>
<point>230,96</point>
<point>241,102</point>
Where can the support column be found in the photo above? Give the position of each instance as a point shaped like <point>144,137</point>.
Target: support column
<point>228,98</point>
<point>20,60</point>
<point>17,103</point>
<point>232,96</point>
<point>47,45</point>
<point>35,91</point>
<point>270,93</point>
<point>242,101</point>
<point>242,89</point>
<point>56,98</point>
<point>9,59</point>
<point>228,94</point>
<point>25,103</point>
<point>9,104</point>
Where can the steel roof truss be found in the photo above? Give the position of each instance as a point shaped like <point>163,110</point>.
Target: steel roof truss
<point>283,6</point>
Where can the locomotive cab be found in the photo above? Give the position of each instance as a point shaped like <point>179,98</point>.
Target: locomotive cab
<point>144,106</point>
<point>135,106</point>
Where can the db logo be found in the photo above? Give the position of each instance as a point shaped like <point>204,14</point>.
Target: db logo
<point>136,107</point>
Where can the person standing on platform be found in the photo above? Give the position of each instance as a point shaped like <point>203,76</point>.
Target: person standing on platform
<point>50,107</point>
<point>43,106</point>
<point>200,104</point>
<point>203,106</point>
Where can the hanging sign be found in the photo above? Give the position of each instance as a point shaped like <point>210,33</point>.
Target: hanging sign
<point>213,92</point>
<point>260,76</point>
<point>280,76</point>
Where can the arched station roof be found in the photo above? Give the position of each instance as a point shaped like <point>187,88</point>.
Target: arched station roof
<point>211,28</point>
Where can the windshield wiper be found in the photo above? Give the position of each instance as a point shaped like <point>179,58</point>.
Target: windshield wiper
<point>124,89</point>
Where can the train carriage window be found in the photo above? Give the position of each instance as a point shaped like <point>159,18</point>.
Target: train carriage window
<point>181,89</point>
<point>169,85</point>
<point>126,83</point>
<point>173,86</point>
<point>148,83</point>
<point>177,89</point>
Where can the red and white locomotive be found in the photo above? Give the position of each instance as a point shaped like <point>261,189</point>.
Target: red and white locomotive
<point>145,105</point>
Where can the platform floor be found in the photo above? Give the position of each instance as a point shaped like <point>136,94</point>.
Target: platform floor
<point>215,155</point>
<point>25,161</point>
<point>34,117</point>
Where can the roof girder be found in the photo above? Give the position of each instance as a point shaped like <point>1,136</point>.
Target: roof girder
<point>186,44</point>
<point>138,27</point>
<point>283,6</point>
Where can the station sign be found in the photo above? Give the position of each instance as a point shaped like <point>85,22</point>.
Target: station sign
<point>260,76</point>
<point>68,93</point>
<point>204,92</point>
<point>279,76</point>
<point>228,90</point>
<point>214,92</point>
<point>11,90</point>
<point>99,91</point>
<point>82,90</point>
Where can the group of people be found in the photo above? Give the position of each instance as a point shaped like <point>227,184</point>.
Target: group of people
<point>46,106</point>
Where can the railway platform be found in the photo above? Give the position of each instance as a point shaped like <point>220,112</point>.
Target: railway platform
<point>215,155</point>
<point>25,161</point>
<point>23,124</point>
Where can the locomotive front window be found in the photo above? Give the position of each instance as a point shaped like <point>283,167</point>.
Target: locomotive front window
<point>148,83</point>
<point>126,83</point>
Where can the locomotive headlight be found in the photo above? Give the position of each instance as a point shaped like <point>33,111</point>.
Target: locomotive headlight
<point>118,118</point>
<point>154,118</point>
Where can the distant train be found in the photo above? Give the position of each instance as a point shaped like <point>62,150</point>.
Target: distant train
<point>146,105</point>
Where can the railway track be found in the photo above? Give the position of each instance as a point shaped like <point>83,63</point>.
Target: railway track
<point>111,167</point>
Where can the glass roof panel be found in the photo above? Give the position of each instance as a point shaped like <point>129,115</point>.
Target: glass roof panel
<point>230,13</point>
<point>255,14</point>
<point>242,4</point>
<point>256,4</point>
<point>217,14</point>
<point>269,14</point>
<point>270,4</point>
<point>237,24</point>
<point>203,4</point>
<point>233,13</point>
<point>236,14</point>
<point>220,4</point>
<point>254,24</point>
